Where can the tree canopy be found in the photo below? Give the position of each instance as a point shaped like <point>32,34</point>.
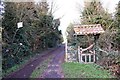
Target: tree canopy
<point>39,31</point>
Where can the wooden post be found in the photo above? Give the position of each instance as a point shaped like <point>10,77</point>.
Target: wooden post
<point>78,54</point>
<point>89,57</point>
<point>94,55</point>
<point>81,56</point>
<point>85,58</point>
<point>66,51</point>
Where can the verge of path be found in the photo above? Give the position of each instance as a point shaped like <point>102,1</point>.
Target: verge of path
<point>26,71</point>
<point>54,68</point>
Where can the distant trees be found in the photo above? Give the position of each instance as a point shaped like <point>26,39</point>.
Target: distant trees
<point>94,13</point>
<point>70,36</point>
<point>39,31</point>
<point>46,27</point>
<point>117,15</point>
<point>10,18</point>
<point>117,20</point>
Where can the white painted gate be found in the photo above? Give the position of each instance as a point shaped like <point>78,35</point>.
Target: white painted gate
<point>86,57</point>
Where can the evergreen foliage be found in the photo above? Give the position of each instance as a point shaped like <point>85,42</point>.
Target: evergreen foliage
<point>117,20</point>
<point>38,32</point>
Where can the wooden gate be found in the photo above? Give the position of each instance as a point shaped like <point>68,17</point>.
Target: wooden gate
<point>84,57</point>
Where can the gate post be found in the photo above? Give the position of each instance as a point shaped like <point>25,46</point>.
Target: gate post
<point>89,57</point>
<point>79,54</point>
<point>94,55</point>
<point>66,54</point>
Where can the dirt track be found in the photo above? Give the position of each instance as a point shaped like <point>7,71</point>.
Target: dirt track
<point>54,68</point>
<point>26,71</point>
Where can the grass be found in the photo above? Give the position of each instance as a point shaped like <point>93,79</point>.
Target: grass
<point>41,68</point>
<point>78,70</point>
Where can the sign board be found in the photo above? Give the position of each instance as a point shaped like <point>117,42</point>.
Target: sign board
<point>20,24</point>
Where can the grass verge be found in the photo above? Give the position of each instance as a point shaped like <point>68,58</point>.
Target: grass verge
<point>41,68</point>
<point>78,70</point>
<point>15,67</point>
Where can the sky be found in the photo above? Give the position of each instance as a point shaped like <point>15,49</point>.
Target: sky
<point>70,11</point>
